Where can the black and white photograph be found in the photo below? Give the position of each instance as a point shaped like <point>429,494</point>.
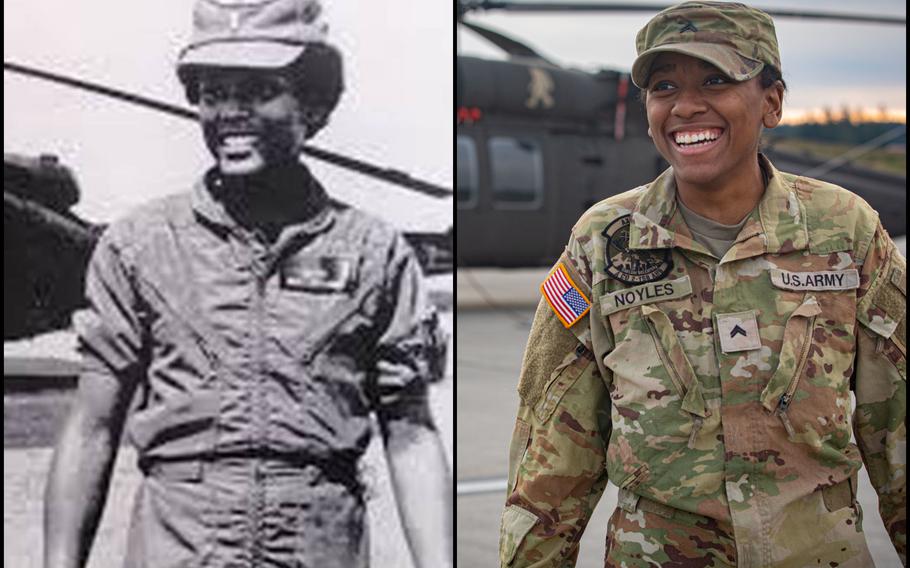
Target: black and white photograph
<point>228,283</point>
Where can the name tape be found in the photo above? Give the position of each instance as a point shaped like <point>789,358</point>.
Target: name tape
<point>822,280</point>
<point>659,291</point>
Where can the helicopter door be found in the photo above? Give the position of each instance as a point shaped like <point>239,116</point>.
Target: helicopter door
<point>470,234</point>
<point>515,203</point>
<point>582,165</point>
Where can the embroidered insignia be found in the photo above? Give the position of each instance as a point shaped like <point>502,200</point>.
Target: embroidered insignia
<point>632,266</point>
<point>689,27</point>
<point>662,291</point>
<point>322,274</point>
<point>822,280</point>
<point>569,303</point>
<point>738,332</point>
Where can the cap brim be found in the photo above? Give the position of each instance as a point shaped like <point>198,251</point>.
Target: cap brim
<point>238,54</point>
<point>733,64</point>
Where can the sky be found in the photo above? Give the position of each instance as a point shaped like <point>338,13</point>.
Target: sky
<point>825,63</point>
<point>396,111</point>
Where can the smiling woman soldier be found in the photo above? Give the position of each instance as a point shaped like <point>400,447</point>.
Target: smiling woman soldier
<point>263,324</point>
<point>698,341</point>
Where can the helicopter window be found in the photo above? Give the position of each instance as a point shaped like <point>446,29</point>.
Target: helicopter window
<point>517,172</point>
<point>467,174</point>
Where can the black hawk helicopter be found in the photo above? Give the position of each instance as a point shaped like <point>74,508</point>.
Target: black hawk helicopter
<point>47,246</point>
<point>537,143</point>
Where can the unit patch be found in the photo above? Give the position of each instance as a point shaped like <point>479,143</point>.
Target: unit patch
<point>633,266</point>
<point>645,294</point>
<point>822,280</point>
<point>738,332</point>
<point>566,299</point>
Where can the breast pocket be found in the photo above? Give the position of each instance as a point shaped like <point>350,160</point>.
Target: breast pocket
<point>656,390</point>
<point>809,389</point>
<point>321,299</point>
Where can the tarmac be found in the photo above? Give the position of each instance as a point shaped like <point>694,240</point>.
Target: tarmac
<point>493,316</point>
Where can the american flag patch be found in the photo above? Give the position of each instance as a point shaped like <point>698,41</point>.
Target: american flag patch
<point>564,296</point>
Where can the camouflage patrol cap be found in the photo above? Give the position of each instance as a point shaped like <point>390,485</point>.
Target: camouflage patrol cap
<point>737,39</point>
<point>258,34</point>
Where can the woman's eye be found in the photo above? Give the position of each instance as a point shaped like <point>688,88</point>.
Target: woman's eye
<point>716,80</point>
<point>662,86</point>
<point>212,94</point>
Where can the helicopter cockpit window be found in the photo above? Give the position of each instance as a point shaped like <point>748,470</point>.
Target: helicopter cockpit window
<point>517,172</point>
<point>467,174</point>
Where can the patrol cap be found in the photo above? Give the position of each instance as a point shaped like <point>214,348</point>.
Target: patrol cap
<point>737,39</point>
<point>258,34</point>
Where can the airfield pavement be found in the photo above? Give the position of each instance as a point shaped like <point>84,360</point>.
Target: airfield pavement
<point>26,458</point>
<point>491,331</point>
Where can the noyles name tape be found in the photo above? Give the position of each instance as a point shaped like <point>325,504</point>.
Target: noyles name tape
<point>659,291</point>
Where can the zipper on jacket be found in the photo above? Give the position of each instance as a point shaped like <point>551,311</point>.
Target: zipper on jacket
<point>697,421</point>
<point>260,414</point>
<point>665,359</point>
<point>783,403</point>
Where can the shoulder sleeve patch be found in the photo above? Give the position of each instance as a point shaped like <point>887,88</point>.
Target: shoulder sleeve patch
<point>564,296</point>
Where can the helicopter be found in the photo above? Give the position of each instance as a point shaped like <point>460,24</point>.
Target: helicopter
<point>538,143</point>
<point>52,221</point>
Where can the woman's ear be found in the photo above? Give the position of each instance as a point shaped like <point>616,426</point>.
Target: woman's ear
<point>773,105</point>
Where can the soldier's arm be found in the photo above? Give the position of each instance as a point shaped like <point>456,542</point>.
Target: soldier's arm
<point>410,357</point>
<point>423,488</point>
<point>81,470</point>
<point>557,456</point>
<point>81,467</point>
<point>881,382</point>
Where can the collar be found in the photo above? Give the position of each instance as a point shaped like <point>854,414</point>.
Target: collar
<point>209,207</point>
<point>776,225</point>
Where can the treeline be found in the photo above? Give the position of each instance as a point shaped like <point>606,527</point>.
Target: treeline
<point>844,132</point>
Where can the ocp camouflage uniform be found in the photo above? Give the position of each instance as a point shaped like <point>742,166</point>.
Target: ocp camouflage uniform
<point>725,454</point>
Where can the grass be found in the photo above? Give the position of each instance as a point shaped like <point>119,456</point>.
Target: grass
<point>889,160</point>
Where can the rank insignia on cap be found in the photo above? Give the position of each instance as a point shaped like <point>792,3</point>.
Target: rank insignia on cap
<point>632,266</point>
<point>569,303</point>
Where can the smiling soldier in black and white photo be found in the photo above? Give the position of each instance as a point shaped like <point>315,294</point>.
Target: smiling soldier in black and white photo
<point>260,323</point>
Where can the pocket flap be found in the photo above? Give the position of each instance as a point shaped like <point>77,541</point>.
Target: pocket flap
<point>807,309</point>
<point>516,523</point>
<point>837,496</point>
<point>561,380</point>
<point>676,361</point>
<point>794,351</point>
<point>176,428</point>
<point>519,444</point>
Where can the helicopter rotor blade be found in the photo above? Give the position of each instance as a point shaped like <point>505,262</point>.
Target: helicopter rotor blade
<point>390,175</point>
<point>486,5</point>
<point>510,45</point>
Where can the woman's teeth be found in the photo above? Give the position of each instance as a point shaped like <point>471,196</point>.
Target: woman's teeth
<point>695,138</point>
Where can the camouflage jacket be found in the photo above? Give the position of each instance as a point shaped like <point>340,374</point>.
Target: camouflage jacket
<point>716,394</point>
